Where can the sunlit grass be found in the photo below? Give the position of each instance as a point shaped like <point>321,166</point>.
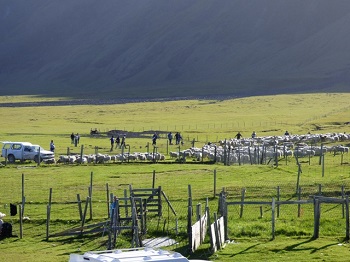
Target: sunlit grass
<point>204,121</point>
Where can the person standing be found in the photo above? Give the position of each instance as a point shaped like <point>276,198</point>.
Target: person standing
<point>253,134</point>
<point>123,141</point>
<point>72,136</point>
<point>239,135</point>
<point>177,138</point>
<point>117,141</point>
<point>112,143</point>
<point>154,139</point>
<point>52,146</point>
<point>76,140</point>
<point>170,138</point>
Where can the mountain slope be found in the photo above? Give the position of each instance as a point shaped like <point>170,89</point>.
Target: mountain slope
<point>156,48</point>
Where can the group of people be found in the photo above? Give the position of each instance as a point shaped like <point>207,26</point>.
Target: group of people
<point>75,139</point>
<point>119,142</point>
<point>239,135</point>
<point>178,138</point>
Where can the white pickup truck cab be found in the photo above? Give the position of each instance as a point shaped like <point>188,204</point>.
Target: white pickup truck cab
<point>24,151</point>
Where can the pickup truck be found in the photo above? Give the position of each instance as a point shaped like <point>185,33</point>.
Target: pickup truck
<point>24,151</point>
<point>131,255</point>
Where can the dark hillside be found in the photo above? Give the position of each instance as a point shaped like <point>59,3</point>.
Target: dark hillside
<point>157,48</point>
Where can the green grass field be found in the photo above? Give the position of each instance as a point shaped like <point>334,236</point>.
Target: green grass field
<point>203,121</point>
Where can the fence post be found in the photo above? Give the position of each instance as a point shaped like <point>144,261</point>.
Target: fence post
<point>299,197</point>
<point>242,200</point>
<point>96,152</point>
<point>84,216</point>
<point>81,153</point>
<point>154,178</point>
<point>189,228</point>
<point>214,183</point>
<point>20,222</point>
<point>107,198</point>
<point>347,217</point>
<point>225,153</point>
<point>126,202</point>
<point>273,217</point>
<point>343,196</point>
<point>278,199</point>
<point>90,194</point>
<point>322,165</point>
<point>48,209</point>
<point>79,208</point>
<point>298,178</point>
<point>321,154</point>
<point>317,214</point>
<point>319,189</point>
<point>190,197</point>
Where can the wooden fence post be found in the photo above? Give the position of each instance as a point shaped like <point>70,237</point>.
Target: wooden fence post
<point>278,199</point>
<point>214,183</point>
<point>343,197</point>
<point>321,155</point>
<point>347,217</point>
<point>90,194</point>
<point>126,203</point>
<point>298,178</point>
<point>299,197</point>
<point>317,215</point>
<point>22,189</point>
<point>189,228</point>
<point>81,153</point>
<point>347,237</point>
<point>79,207</point>
<point>107,200</point>
<point>154,179</point>
<point>319,189</point>
<point>85,211</point>
<point>190,197</point>
<point>322,165</point>
<point>273,218</point>
<point>20,222</point>
<point>48,211</point>
<point>242,200</point>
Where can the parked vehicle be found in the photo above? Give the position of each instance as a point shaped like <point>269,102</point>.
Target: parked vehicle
<point>128,255</point>
<point>25,151</point>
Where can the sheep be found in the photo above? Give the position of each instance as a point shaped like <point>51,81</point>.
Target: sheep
<point>174,154</point>
<point>341,149</point>
<point>49,161</point>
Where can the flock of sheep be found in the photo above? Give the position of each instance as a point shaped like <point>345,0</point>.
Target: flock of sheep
<point>263,149</point>
<point>255,150</point>
<point>105,158</point>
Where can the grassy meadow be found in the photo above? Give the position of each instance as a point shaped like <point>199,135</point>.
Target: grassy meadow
<point>201,120</point>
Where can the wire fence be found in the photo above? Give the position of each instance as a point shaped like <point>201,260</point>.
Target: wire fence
<point>252,220</point>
